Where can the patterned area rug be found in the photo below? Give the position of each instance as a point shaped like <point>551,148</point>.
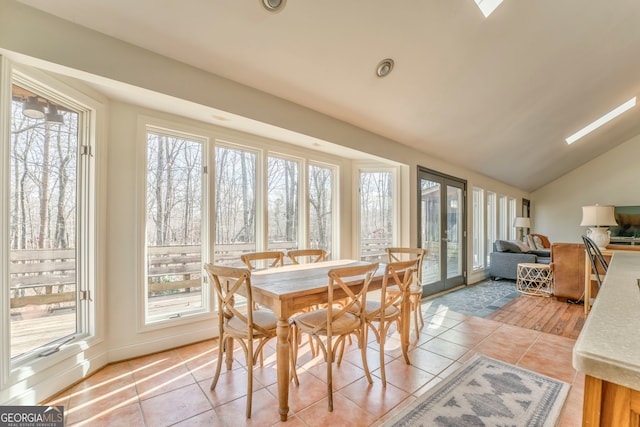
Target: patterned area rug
<point>480,299</point>
<point>488,392</point>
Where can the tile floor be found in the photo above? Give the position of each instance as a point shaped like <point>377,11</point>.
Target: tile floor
<point>172,388</point>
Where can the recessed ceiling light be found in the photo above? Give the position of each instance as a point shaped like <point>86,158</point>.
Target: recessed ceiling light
<point>273,5</point>
<point>384,67</point>
<point>602,120</point>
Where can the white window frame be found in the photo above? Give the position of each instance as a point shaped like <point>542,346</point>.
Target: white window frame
<point>491,222</point>
<point>302,231</point>
<point>89,239</point>
<point>146,125</point>
<point>395,200</point>
<point>332,251</point>
<point>478,220</point>
<point>259,192</point>
<point>512,218</point>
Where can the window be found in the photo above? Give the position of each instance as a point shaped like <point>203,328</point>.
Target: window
<point>235,204</point>
<point>174,223</point>
<point>283,203</point>
<point>376,214</point>
<point>492,222</point>
<point>478,228</point>
<point>512,218</point>
<point>503,224</point>
<point>321,183</point>
<point>50,199</point>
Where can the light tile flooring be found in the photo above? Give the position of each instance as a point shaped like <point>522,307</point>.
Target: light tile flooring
<point>172,388</point>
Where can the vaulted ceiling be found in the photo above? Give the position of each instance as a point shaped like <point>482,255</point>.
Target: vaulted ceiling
<point>496,95</point>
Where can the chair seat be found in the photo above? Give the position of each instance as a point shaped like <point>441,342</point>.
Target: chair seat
<point>371,307</point>
<point>310,321</point>
<point>263,318</point>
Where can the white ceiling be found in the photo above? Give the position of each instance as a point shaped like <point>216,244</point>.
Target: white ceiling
<point>496,95</point>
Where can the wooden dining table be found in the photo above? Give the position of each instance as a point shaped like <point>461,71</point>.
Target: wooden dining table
<point>292,288</point>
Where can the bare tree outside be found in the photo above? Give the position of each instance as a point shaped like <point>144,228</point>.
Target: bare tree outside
<point>376,214</point>
<point>235,205</point>
<point>282,199</point>
<point>42,227</point>
<point>174,224</point>
<point>320,207</point>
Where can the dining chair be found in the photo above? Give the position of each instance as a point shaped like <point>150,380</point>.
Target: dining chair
<point>339,321</point>
<point>386,311</point>
<point>599,265</point>
<point>242,325</point>
<point>262,260</point>
<point>415,290</point>
<point>308,255</point>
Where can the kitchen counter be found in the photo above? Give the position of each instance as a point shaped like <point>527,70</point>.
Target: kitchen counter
<point>608,348</point>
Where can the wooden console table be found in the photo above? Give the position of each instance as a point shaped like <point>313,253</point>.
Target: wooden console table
<point>608,348</point>
<point>588,279</point>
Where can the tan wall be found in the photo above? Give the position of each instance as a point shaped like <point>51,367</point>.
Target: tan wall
<point>611,179</point>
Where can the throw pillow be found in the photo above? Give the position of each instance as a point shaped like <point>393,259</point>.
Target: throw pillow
<point>524,248</point>
<point>507,246</point>
<point>530,242</point>
<point>538,242</point>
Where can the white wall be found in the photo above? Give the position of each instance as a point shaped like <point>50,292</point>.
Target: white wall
<point>611,179</point>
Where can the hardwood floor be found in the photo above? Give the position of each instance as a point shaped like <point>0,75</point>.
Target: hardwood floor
<point>544,314</point>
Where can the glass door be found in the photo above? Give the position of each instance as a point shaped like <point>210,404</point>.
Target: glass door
<point>442,227</point>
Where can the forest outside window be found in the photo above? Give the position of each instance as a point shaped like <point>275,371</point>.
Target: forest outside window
<point>50,167</point>
<point>377,214</point>
<point>175,199</point>
<point>235,204</point>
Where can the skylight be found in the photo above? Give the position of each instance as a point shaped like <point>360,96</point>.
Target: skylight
<point>488,6</point>
<point>602,120</point>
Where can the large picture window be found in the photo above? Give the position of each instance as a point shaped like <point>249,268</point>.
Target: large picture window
<point>478,228</point>
<point>321,181</point>
<point>235,206</point>
<point>283,203</point>
<point>50,170</point>
<point>376,214</point>
<point>174,219</point>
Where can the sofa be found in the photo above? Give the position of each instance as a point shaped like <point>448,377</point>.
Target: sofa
<point>507,254</point>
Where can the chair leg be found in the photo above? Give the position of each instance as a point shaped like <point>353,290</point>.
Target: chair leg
<point>293,354</point>
<point>216,376</point>
<point>363,352</point>
<point>382,338</point>
<point>330,373</point>
<point>250,363</point>
<point>419,310</point>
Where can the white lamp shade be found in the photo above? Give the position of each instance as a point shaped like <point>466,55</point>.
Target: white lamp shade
<point>522,222</point>
<point>598,216</point>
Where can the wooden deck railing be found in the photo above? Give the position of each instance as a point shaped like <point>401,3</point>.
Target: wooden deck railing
<point>47,276</point>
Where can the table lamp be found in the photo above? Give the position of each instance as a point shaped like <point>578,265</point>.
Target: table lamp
<point>521,222</point>
<point>598,218</point>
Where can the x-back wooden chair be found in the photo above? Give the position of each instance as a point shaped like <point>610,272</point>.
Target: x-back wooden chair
<point>260,260</point>
<point>242,325</point>
<point>339,321</point>
<point>415,290</point>
<point>387,311</point>
<point>308,255</point>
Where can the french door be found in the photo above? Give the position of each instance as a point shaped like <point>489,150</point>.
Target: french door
<point>442,228</point>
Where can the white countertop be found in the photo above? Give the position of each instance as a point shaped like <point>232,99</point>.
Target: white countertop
<point>609,345</point>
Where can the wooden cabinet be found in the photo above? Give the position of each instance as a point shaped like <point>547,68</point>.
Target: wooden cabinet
<point>610,405</point>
